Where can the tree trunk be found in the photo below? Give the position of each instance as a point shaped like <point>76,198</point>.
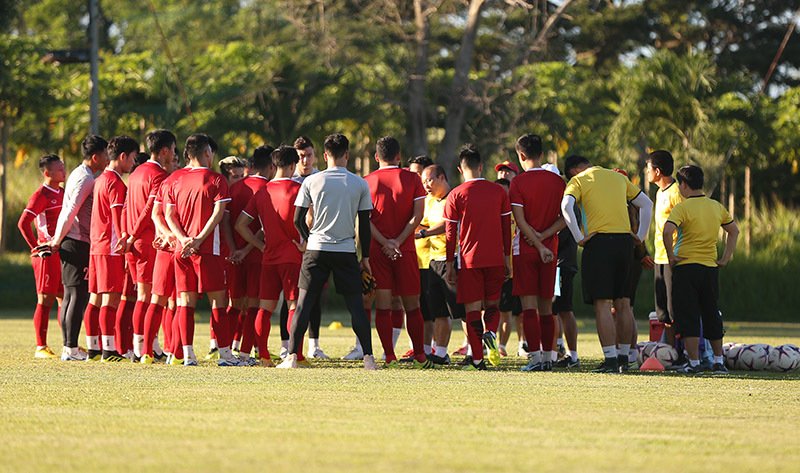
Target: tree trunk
<point>457,105</point>
<point>747,209</point>
<point>3,155</point>
<point>416,83</point>
<point>732,197</point>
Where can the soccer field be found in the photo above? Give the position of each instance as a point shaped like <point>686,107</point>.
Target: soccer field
<point>337,417</point>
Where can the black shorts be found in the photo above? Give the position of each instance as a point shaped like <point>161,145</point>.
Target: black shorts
<point>606,266</point>
<point>442,296</point>
<point>695,292</point>
<point>563,303</point>
<point>508,301</point>
<point>424,305</point>
<point>318,265</point>
<point>74,263</point>
<point>662,283</point>
<point>633,280</point>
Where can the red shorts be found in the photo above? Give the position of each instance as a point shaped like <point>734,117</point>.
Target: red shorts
<point>532,277</point>
<point>243,279</point>
<point>401,276</point>
<point>106,274</point>
<point>141,261</point>
<point>47,273</point>
<point>479,284</point>
<point>164,274</point>
<point>200,273</point>
<point>276,278</point>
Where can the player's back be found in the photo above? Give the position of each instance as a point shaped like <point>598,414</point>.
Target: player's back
<point>603,196</point>
<point>194,195</point>
<point>394,191</point>
<point>109,192</point>
<point>479,207</point>
<point>539,193</point>
<point>143,183</point>
<point>241,193</point>
<point>279,228</point>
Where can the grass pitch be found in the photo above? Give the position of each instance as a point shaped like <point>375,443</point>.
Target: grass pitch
<point>336,417</point>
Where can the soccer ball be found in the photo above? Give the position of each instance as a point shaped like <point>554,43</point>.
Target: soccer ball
<point>665,353</point>
<point>645,350</point>
<point>732,355</point>
<point>754,357</point>
<point>782,359</point>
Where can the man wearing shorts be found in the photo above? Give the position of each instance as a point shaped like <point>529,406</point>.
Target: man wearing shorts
<point>42,211</point>
<point>608,247</point>
<point>338,197</point>
<point>478,216</point>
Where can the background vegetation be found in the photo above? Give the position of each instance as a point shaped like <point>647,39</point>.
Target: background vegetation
<point>606,79</point>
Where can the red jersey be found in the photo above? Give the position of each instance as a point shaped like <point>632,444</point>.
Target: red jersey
<point>539,193</point>
<point>273,207</point>
<point>480,212</point>
<point>193,195</point>
<point>394,192</point>
<point>109,196</point>
<point>241,195</point>
<point>43,208</point>
<point>143,185</point>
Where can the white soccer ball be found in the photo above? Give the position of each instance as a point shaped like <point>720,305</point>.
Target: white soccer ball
<point>645,349</point>
<point>754,357</point>
<point>732,355</point>
<point>782,359</point>
<point>665,353</point>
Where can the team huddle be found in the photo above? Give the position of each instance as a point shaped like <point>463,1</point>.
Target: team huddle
<point>127,261</point>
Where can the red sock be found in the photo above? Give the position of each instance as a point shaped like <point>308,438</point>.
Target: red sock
<point>177,346</point>
<point>475,334</point>
<point>152,320</point>
<point>234,328</point>
<point>415,326</point>
<point>91,321</point>
<point>548,326</point>
<point>300,356</point>
<point>166,326</point>
<point>124,326</point>
<point>221,327</point>
<point>383,324</point>
<point>41,317</point>
<point>108,318</point>
<point>397,318</point>
<point>491,317</point>
<point>186,325</point>
<point>139,314</point>
<point>532,328</point>
<point>261,328</point>
<point>248,331</point>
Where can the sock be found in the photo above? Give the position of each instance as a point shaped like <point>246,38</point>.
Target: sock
<point>167,315</point>
<point>285,344</point>
<point>311,341</point>
<point>694,363</point>
<point>559,343</point>
<point>186,325</point>
<point>313,344</point>
<point>177,346</point>
<point>220,323</point>
<point>225,353</point>
<point>610,351</point>
<point>633,356</point>
<point>41,317</point>
<point>553,356</point>
<point>188,351</point>
<point>532,328</point>
<point>107,318</point>
<point>212,344</point>
<point>383,324</point>
<point>156,347</point>
<point>475,334</point>
<point>262,327</point>
<point>441,351</point>
<point>469,348</point>
<point>718,360</point>
<point>109,344</point>
<point>574,355</point>
<point>139,314</point>
<point>491,317</point>
<point>397,318</point>
<point>623,349</point>
<point>428,349</point>
<point>249,331</point>
<point>416,330</point>
<point>547,323</point>
<point>521,345</point>
<point>123,326</point>
<point>395,333</point>
<point>152,320</point>
<point>91,324</point>
<point>535,356</point>
<point>234,324</point>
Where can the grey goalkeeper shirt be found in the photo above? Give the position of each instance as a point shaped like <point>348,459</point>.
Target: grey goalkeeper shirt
<point>76,211</point>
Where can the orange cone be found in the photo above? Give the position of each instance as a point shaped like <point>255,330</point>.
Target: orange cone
<point>651,364</point>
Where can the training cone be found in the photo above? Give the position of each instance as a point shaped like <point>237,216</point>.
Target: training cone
<point>651,364</point>
<point>335,325</point>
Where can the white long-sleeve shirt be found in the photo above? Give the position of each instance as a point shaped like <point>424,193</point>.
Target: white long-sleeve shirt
<point>76,211</point>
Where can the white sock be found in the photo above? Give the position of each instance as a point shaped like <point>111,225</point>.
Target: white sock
<point>225,353</point>
<point>212,344</point>
<point>469,350</point>
<point>623,349</point>
<point>93,343</point>
<point>138,344</point>
<point>285,344</point>
<point>395,335</point>
<point>313,344</point>
<point>157,347</point>
<point>441,351</point>
<point>610,351</point>
<point>427,349</point>
<point>537,356</point>
<point>718,360</point>
<point>73,351</point>
<point>574,355</point>
<point>633,356</point>
<point>234,345</point>
<point>109,343</point>
<point>188,352</point>
<point>553,356</point>
<point>559,342</point>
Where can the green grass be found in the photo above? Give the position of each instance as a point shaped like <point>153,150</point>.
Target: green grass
<point>337,417</point>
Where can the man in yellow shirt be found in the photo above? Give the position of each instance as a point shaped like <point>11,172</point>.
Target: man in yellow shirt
<point>606,236</point>
<point>659,172</point>
<point>695,266</point>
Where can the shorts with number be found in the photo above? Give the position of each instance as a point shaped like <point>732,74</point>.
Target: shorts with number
<point>277,278</point>
<point>74,256</point>
<point>47,273</point>
<point>401,276</point>
<point>532,277</point>
<point>106,274</point>
<point>200,273</point>
<point>479,284</point>
<point>243,278</point>
<point>164,274</point>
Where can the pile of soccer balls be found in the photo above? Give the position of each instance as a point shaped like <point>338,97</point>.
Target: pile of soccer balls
<point>738,356</point>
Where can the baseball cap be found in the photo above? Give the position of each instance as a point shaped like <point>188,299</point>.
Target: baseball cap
<point>506,164</point>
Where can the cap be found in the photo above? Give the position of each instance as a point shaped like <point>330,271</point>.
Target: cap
<point>506,164</point>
